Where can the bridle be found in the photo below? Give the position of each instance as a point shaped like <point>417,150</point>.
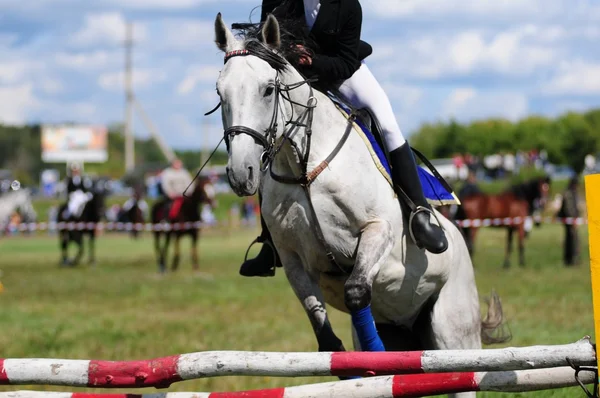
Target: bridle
<point>268,140</point>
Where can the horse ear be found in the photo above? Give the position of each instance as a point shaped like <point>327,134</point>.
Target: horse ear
<point>270,34</point>
<point>223,36</point>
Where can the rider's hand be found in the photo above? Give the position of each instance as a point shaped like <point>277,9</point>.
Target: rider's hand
<point>305,58</point>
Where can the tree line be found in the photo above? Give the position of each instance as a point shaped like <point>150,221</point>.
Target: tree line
<point>568,138</point>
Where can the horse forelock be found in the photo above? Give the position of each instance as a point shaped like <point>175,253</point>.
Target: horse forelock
<point>288,54</point>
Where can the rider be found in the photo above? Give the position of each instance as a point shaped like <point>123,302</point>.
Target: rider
<point>336,27</point>
<point>77,191</point>
<point>174,181</point>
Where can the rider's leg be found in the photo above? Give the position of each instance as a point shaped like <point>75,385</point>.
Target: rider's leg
<point>363,90</point>
<point>76,200</point>
<point>264,264</point>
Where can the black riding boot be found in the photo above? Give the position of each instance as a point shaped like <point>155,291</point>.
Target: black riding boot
<point>404,174</point>
<point>264,264</point>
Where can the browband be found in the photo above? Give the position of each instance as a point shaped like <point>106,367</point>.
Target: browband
<point>235,53</point>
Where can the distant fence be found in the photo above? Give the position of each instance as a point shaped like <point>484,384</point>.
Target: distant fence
<point>149,227</point>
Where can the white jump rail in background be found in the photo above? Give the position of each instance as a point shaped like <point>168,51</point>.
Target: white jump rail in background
<point>378,387</point>
<point>162,372</point>
<point>148,227</point>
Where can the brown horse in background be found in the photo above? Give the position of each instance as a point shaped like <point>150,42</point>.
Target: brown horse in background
<point>190,213</point>
<point>519,200</point>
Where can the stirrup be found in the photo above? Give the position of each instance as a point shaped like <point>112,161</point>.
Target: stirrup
<point>258,240</point>
<point>420,209</point>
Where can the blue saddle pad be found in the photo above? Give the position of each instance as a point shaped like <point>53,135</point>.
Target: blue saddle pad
<point>435,192</point>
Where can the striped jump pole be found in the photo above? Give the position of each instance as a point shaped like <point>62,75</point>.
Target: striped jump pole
<point>378,387</point>
<point>162,372</point>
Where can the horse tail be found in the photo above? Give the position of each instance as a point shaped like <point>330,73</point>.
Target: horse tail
<point>493,328</point>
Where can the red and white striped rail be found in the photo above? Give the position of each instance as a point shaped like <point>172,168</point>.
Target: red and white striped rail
<point>161,372</point>
<point>378,387</point>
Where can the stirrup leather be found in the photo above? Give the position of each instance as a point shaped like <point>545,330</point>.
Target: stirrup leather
<point>421,209</point>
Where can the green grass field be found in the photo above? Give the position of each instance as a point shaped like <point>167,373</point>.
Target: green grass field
<point>121,310</point>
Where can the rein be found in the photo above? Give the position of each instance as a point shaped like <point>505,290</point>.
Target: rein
<point>268,140</point>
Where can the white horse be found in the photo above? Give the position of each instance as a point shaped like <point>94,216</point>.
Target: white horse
<point>12,200</point>
<point>337,225</point>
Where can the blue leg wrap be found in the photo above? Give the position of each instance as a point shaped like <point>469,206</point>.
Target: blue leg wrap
<point>364,324</point>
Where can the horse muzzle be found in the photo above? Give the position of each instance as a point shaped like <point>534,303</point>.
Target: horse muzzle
<point>243,181</point>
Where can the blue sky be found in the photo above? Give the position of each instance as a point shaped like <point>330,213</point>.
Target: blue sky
<point>62,60</point>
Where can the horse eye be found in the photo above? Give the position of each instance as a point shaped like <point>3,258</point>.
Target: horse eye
<point>269,91</point>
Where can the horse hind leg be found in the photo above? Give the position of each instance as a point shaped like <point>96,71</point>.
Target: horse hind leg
<point>522,236</point>
<point>375,244</point>
<point>92,249</point>
<point>508,252</point>
<point>452,320</point>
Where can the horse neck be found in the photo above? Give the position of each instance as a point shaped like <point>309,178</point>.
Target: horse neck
<point>321,144</point>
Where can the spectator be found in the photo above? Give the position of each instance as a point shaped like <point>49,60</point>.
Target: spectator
<point>569,208</point>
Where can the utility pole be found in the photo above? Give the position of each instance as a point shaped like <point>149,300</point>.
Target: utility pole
<point>129,139</point>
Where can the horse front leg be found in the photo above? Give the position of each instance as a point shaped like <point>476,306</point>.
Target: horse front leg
<point>375,244</point>
<point>311,297</point>
<point>64,246</point>
<point>194,250</point>
<point>78,237</point>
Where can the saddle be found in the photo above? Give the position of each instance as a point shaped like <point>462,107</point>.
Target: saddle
<point>437,191</point>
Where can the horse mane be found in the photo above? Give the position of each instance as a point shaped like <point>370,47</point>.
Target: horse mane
<point>293,33</point>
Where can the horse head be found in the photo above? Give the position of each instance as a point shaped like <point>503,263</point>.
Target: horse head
<point>201,192</point>
<point>251,90</point>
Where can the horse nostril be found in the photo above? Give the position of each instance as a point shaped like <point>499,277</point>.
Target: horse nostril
<point>250,172</point>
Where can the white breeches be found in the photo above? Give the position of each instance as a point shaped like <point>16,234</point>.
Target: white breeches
<point>76,201</point>
<point>364,91</point>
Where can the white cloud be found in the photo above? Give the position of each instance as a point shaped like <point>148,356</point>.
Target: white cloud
<point>105,28</point>
<point>575,78</point>
<point>15,103</point>
<point>85,61</point>
<point>164,4</point>
<point>51,86</point>
<point>466,103</point>
<point>491,10</point>
<point>458,99</point>
<point>115,81</point>
<point>195,75</point>
<point>186,35</point>
<point>14,71</point>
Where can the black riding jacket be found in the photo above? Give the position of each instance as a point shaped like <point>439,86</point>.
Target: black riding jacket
<point>336,31</point>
